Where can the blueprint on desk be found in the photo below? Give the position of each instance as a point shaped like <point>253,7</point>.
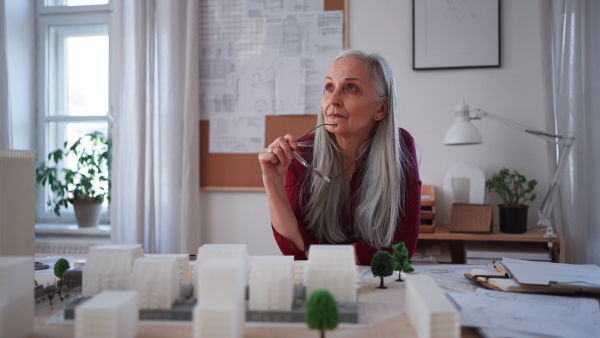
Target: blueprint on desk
<point>452,277</point>
<point>511,314</point>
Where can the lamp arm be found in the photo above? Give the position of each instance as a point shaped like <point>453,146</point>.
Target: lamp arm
<point>546,207</point>
<point>564,141</point>
<point>480,114</point>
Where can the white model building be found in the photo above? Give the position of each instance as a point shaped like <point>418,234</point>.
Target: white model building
<point>221,251</point>
<point>220,310</point>
<point>16,296</point>
<point>108,314</point>
<point>332,267</point>
<point>217,321</point>
<point>429,310</point>
<point>157,281</point>
<point>17,202</point>
<point>299,272</point>
<point>108,267</point>
<point>183,262</point>
<point>271,283</point>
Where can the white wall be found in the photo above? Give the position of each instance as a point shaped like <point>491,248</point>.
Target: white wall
<point>515,91</point>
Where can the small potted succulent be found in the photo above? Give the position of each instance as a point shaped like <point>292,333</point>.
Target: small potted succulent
<point>514,190</point>
<point>87,185</point>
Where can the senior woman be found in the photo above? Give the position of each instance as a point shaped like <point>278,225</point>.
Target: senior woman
<point>354,178</point>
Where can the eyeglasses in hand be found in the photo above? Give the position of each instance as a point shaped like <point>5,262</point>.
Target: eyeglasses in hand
<point>311,167</point>
<point>305,162</point>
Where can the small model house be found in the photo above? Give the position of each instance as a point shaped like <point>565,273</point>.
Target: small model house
<point>16,296</point>
<point>108,314</point>
<point>332,267</point>
<point>157,280</point>
<point>183,262</point>
<point>220,310</point>
<point>271,283</point>
<point>108,267</point>
<point>299,272</point>
<point>207,251</point>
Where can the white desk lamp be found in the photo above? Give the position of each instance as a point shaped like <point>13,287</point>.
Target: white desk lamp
<point>463,132</point>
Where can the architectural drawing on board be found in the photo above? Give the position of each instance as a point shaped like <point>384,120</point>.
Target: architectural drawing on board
<point>262,58</point>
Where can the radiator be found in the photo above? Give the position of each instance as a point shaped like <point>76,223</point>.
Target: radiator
<point>67,245</point>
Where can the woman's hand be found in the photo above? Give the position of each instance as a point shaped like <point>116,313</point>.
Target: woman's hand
<point>276,159</point>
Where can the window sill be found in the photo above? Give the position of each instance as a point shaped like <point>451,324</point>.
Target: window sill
<point>71,230</point>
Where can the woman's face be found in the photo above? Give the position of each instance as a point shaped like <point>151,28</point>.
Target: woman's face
<point>349,99</point>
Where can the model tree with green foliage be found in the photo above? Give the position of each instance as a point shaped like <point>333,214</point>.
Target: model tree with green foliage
<point>60,267</point>
<point>382,265</point>
<point>322,311</point>
<point>401,260</point>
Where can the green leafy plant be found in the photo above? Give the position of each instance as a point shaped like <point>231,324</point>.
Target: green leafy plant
<point>401,260</point>
<point>513,188</point>
<point>322,311</point>
<point>89,179</point>
<point>382,265</point>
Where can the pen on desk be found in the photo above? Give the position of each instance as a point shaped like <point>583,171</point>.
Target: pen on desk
<point>500,267</point>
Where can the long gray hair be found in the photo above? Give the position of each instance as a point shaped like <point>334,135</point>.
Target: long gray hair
<point>379,199</point>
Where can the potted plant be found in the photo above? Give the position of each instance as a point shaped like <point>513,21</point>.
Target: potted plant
<point>514,190</point>
<point>87,185</point>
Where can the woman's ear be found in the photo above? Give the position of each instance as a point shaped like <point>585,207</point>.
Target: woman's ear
<point>383,110</point>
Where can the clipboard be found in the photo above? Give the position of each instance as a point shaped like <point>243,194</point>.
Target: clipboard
<point>502,278</point>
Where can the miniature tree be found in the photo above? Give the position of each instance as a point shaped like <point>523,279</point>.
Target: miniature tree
<point>382,265</point>
<point>60,267</point>
<point>401,260</point>
<point>322,311</point>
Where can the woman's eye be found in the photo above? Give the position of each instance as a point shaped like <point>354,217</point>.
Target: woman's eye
<point>352,88</point>
<point>328,87</point>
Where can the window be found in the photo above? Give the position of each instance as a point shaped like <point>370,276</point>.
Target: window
<point>73,48</point>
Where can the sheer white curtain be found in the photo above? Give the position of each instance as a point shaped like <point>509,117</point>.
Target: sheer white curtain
<point>575,37</point>
<point>155,175</point>
<point>5,127</point>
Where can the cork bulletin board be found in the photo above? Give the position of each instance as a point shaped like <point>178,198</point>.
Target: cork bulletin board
<point>241,172</point>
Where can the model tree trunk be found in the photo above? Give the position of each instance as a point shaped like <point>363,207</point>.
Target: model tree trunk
<point>322,333</point>
<point>399,276</point>
<point>381,286</point>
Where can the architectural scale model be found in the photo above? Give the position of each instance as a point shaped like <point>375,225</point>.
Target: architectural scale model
<point>220,310</point>
<point>229,288</point>
<point>157,281</point>
<point>108,314</point>
<point>207,251</point>
<point>429,310</point>
<point>16,296</point>
<point>271,283</point>
<point>333,268</point>
<point>17,202</point>
<point>183,261</point>
<point>108,267</point>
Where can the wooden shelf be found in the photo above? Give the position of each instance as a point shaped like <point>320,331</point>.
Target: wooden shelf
<point>529,236</point>
<point>457,240</point>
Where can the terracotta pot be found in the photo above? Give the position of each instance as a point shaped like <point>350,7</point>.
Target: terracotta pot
<point>87,212</point>
<point>513,219</point>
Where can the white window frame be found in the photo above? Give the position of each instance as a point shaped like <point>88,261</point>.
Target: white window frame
<point>45,18</point>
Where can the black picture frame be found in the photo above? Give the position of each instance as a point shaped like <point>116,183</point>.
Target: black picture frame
<point>456,35</point>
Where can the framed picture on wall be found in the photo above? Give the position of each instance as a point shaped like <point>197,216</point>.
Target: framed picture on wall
<point>456,34</point>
